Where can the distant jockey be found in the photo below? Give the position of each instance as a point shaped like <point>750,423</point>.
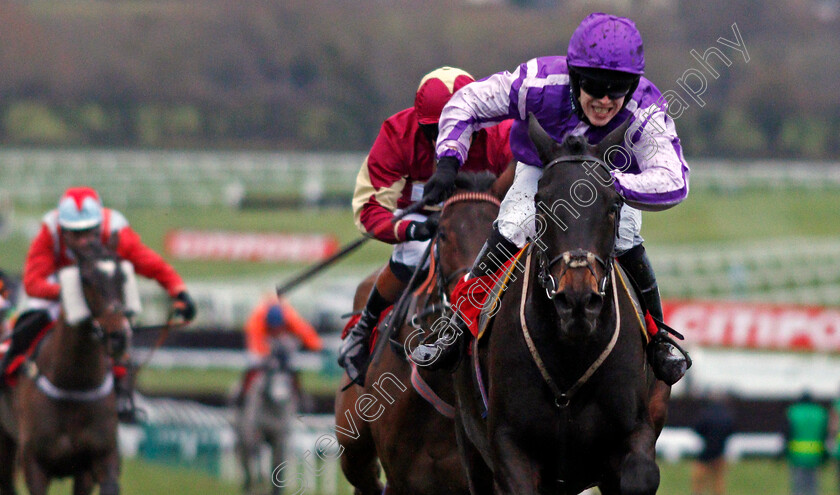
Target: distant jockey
<point>272,319</point>
<point>80,219</point>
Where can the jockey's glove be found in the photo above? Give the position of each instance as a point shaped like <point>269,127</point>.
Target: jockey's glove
<point>442,182</point>
<point>421,231</point>
<point>183,306</point>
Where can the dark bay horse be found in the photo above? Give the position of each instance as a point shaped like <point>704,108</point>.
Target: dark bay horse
<point>569,395</point>
<point>61,416</point>
<point>414,442</point>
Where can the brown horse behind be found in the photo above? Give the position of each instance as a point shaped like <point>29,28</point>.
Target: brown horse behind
<point>60,418</point>
<point>387,419</point>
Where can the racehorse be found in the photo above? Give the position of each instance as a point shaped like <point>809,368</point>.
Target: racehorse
<point>414,440</point>
<point>568,395</point>
<point>61,415</point>
<point>266,415</point>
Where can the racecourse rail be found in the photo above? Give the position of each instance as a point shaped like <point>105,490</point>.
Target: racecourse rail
<point>204,178</point>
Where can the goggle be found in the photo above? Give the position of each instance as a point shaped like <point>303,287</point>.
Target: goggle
<point>599,89</point>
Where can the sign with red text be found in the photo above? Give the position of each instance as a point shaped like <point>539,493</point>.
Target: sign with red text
<point>244,246</point>
<point>755,325</point>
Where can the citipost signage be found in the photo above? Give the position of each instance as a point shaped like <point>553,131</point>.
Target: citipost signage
<point>243,246</point>
<point>755,325</point>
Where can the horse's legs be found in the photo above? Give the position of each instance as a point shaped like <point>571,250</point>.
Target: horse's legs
<point>37,480</point>
<point>278,450</point>
<point>658,406</point>
<point>639,472</point>
<point>108,475</point>
<point>83,483</point>
<point>479,475</point>
<point>361,469</point>
<point>7,464</point>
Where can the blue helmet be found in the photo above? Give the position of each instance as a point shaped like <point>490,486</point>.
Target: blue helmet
<point>79,209</point>
<point>275,317</point>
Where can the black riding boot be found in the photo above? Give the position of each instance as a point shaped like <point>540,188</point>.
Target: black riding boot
<point>354,352</point>
<point>124,389</point>
<point>450,343</point>
<point>27,327</point>
<point>667,361</point>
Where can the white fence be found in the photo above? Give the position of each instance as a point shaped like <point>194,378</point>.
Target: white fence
<point>165,178</point>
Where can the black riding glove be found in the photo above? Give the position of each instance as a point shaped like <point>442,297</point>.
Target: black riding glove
<point>421,231</point>
<point>442,182</point>
<point>183,306</point>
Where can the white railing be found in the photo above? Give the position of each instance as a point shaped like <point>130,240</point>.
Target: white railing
<point>167,178</point>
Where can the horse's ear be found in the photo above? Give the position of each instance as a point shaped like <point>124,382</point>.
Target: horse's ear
<point>546,146</point>
<point>613,138</point>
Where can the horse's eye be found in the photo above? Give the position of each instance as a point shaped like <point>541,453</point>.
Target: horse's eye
<point>441,234</point>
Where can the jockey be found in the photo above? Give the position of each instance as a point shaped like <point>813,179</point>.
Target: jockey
<point>591,91</point>
<point>392,177</point>
<point>272,319</point>
<point>79,220</point>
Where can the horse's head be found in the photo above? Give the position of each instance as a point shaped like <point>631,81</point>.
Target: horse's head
<point>465,224</point>
<point>99,294</point>
<point>577,216</point>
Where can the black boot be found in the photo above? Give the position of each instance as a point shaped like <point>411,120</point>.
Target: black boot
<point>126,410</point>
<point>451,342</point>
<point>667,360</point>
<point>27,327</point>
<point>354,352</point>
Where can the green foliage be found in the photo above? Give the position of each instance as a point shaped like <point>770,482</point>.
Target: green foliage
<point>323,74</point>
<point>33,122</point>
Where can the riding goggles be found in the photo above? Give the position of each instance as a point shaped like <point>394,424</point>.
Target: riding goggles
<point>598,89</point>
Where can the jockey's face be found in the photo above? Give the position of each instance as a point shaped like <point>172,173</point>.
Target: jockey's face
<point>600,111</point>
<point>80,239</point>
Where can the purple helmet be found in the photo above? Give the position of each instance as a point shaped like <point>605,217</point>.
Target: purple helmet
<point>608,42</point>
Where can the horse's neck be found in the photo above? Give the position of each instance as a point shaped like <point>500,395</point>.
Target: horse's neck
<point>71,358</point>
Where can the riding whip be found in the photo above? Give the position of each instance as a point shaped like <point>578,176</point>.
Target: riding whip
<point>344,251</point>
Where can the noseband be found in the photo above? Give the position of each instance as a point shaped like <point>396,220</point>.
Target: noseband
<point>578,258</point>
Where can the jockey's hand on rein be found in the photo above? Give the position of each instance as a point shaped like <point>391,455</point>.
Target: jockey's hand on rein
<point>183,306</point>
<point>442,182</point>
<point>422,231</point>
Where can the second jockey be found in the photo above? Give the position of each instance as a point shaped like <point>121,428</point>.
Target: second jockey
<point>80,219</point>
<point>399,167</point>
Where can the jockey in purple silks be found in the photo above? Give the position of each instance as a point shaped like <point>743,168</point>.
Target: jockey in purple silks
<point>589,92</point>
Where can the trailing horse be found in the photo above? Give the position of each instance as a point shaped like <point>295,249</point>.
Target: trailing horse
<point>565,395</point>
<point>413,435</point>
<point>61,416</point>
<point>265,416</point>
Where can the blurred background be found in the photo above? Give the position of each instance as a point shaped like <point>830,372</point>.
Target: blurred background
<point>230,134</point>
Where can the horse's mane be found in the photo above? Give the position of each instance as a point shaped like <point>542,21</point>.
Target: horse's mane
<point>474,181</point>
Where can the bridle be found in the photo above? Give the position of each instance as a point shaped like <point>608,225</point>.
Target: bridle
<point>443,281</point>
<point>576,258</point>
